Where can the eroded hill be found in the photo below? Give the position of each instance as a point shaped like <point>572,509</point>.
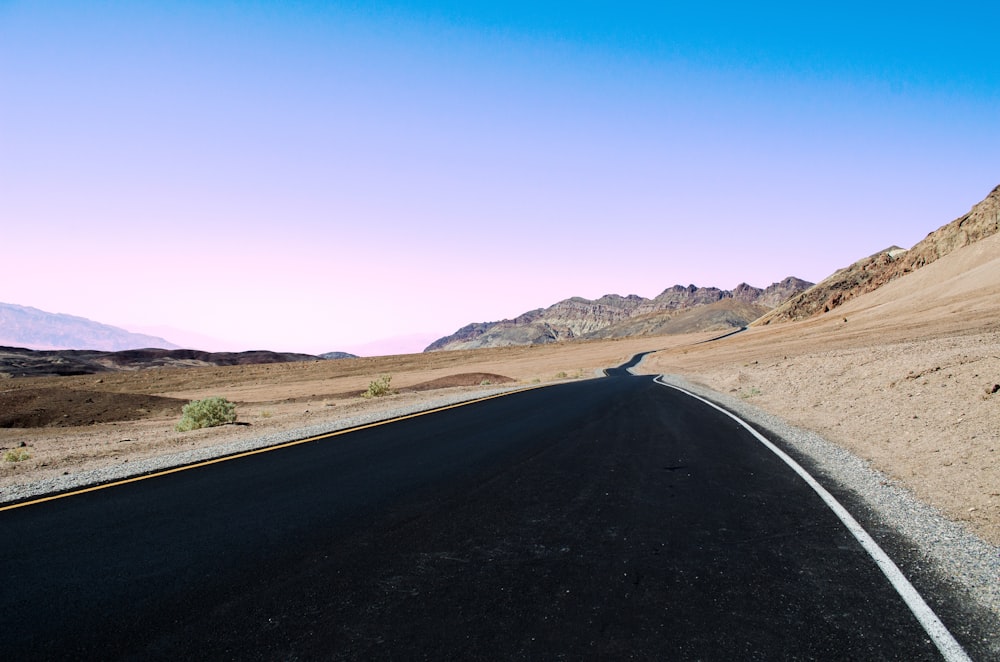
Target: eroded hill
<point>20,362</point>
<point>869,274</point>
<point>677,309</point>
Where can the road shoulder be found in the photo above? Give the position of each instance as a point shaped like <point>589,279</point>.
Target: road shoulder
<point>923,542</point>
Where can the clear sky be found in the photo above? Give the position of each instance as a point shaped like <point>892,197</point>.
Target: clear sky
<point>314,177</point>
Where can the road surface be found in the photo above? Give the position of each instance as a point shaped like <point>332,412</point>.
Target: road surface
<point>609,518</point>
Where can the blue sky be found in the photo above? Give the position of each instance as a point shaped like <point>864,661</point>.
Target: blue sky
<point>320,176</point>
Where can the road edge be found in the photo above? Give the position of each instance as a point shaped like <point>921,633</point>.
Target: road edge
<point>947,645</point>
<point>22,494</point>
<point>944,549</point>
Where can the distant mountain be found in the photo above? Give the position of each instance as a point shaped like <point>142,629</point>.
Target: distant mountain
<point>19,362</point>
<point>338,355</point>
<point>722,315</point>
<point>672,311</point>
<point>23,326</point>
<point>874,271</point>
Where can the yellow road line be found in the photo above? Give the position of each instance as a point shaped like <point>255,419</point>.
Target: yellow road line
<point>257,451</point>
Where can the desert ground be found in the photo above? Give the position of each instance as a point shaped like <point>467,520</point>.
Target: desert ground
<point>70,425</point>
<point>906,377</point>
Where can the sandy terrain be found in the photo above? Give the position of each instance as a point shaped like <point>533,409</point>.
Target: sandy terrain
<point>924,412</point>
<point>907,377</point>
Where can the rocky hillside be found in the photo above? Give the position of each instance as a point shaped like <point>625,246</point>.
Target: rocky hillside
<point>721,315</point>
<point>338,355</point>
<point>19,362</point>
<point>617,316</point>
<point>22,326</point>
<point>874,271</point>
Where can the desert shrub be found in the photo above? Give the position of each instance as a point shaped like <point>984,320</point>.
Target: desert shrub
<point>206,413</point>
<point>16,455</point>
<point>378,387</point>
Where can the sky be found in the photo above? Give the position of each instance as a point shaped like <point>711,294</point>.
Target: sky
<point>369,176</point>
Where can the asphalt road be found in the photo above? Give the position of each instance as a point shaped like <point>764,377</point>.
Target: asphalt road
<point>602,519</point>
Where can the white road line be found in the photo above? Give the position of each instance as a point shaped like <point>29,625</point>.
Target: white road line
<point>939,634</point>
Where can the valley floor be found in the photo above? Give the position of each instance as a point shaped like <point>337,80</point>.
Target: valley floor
<point>921,406</point>
<point>925,411</point>
<point>73,430</point>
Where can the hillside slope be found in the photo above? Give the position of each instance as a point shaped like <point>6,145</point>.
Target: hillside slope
<point>721,315</point>
<point>615,316</point>
<point>906,376</point>
<point>20,362</point>
<point>874,271</point>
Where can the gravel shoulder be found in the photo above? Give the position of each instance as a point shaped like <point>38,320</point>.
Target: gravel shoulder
<point>947,550</point>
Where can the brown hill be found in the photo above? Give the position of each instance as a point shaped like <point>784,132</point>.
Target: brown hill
<point>722,315</point>
<point>874,271</point>
<point>906,376</point>
<point>20,362</point>
<point>615,316</point>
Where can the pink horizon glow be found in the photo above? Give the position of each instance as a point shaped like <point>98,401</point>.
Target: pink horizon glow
<point>323,179</point>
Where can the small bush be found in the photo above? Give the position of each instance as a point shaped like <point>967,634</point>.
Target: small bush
<point>16,455</point>
<point>379,387</point>
<point>206,413</point>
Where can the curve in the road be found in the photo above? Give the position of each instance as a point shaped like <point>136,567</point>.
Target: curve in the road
<point>624,369</point>
<point>605,518</point>
<point>724,335</point>
<point>950,649</point>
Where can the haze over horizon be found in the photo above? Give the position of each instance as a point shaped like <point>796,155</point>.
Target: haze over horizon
<point>315,177</point>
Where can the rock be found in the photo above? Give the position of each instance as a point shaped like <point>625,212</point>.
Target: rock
<point>614,315</point>
<point>874,271</point>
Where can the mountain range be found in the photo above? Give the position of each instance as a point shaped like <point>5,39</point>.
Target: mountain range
<point>689,309</point>
<point>34,343</point>
<point>23,326</point>
<point>19,362</point>
<point>677,309</point>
